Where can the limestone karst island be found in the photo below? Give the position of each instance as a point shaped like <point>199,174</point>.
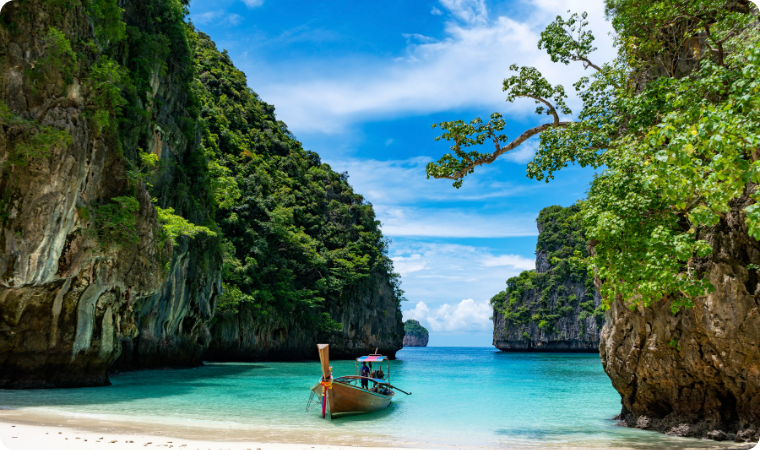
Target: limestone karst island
<point>445,224</point>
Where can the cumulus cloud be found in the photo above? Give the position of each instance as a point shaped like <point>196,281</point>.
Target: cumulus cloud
<point>463,69</point>
<point>468,316</point>
<point>438,273</point>
<point>435,11</point>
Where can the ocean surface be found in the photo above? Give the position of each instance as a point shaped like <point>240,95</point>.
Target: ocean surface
<point>461,398</point>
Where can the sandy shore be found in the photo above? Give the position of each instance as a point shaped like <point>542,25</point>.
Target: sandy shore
<point>39,437</point>
<point>20,430</point>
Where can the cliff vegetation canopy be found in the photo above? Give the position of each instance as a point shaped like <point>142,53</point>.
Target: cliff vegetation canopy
<point>413,328</point>
<point>290,231</point>
<point>673,122</point>
<point>560,238</point>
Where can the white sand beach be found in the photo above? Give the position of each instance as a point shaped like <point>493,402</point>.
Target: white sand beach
<point>17,436</point>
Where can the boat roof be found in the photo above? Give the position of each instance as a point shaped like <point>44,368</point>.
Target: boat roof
<point>372,358</point>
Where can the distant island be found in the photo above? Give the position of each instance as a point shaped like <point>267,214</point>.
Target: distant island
<point>415,335</point>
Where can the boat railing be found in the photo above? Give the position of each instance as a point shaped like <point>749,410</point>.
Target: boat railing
<point>351,378</point>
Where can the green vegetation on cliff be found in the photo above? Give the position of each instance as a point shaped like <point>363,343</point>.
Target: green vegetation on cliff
<point>289,232</point>
<point>413,328</point>
<point>673,122</point>
<point>295,233</point>
<point>560,238</point>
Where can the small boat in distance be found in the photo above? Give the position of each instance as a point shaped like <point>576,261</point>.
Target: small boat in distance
<point>352,394</point>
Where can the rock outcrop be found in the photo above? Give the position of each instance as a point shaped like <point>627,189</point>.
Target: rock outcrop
<point>369,319</point>
<point>415,335</point>
<point>555,308</point>
<point>69,301</point>
<point>90,280</point>
<point>695,373</point>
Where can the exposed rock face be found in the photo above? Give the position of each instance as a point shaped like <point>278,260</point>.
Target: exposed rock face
<point>555,308</point>
<point>415,341</point>
<point>369,316</point>
<point>570,334</point>
<point>696,373</point>
<point>415,334</point>
<point>67,303</point>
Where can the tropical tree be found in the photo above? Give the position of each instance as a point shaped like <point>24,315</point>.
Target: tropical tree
<point>673,123</point>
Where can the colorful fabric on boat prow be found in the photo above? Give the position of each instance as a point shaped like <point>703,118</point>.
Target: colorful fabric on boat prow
<point>371,358</point>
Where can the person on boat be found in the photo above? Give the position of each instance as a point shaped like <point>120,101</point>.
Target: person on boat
<point>379,374</point>
<point>364,372</point>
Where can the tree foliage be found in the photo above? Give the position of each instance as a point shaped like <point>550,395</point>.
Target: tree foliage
<point>413,328</point>
<point>295,233</point>
<point>546,294</point>
<point>672,122</point>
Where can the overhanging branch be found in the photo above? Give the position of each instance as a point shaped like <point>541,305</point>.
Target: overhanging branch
<point>500,150</point>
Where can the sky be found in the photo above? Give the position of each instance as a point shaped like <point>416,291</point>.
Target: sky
<point>361,82</point>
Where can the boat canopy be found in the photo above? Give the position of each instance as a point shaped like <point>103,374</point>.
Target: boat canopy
<point>372,358</point>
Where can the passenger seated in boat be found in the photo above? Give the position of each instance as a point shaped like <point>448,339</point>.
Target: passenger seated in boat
<point>379,374</point>
<point>364,372</point>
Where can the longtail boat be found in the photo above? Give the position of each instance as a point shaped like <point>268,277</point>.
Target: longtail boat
<point>354,394</point>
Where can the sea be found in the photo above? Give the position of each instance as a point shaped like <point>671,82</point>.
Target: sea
<point>470,398</point>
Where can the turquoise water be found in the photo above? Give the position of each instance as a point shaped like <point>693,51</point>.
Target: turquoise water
<point>462,397</point>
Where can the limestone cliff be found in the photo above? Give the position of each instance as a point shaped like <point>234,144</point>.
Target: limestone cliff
<point>415,335</point>
<point>83,265</point>
<point>140,177</point>
<point>369,319</point>
<point>695,373</point>
<point>554,308</point>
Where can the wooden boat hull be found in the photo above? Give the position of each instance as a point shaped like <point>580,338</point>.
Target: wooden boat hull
<point>347,399</point>
<point>344,397</point>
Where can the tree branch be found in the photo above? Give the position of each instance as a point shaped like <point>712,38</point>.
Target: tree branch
<point>549,105</point>
<point>500,150</point>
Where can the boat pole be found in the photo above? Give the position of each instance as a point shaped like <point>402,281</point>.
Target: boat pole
<point>326,382</point>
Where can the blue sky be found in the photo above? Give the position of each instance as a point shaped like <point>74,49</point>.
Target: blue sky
<point>360,82</point>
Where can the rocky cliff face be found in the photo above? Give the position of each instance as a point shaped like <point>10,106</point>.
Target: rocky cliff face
<point>696,373</point>
<point>415,335</point>
<point>369,320</point>
<point>415,341</point>
<point>556,307</point>
<point>103,127</point>
<point>68,301</point>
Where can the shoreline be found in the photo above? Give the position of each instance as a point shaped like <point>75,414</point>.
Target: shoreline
<point>25,430</point>
<point>21,436</point>
<point>210,434</point>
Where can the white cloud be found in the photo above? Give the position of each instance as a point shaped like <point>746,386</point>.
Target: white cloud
<point>464,69</point>
<point>524,153</point>
<point>407,265</point>
<point>253,3</point>
<point>438,273</point>
<point>409,204</point>
<point>468,11</point>
<point>510,260</point>
<point>467,316</point>
<point>217,18</point>
<point>435,11</point>
<point>453,222</point>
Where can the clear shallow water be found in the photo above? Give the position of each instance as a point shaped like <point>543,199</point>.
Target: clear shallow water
<point>462,397</point>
